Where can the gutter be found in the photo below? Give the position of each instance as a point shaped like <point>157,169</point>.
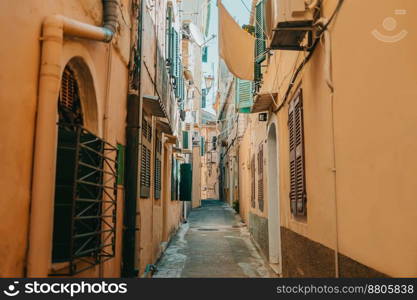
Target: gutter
<point>54,29</point>
<point>130,257</point>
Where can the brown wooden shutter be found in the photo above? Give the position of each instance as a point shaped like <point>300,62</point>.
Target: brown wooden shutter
<point>157,175</point>
<point>145,170</point>
<point>252,170</point>
<point>298,195</point>
<point>261,177</point>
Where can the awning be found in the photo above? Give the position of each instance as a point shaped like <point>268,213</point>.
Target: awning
<point>171,139</point>
<point>163,126</point>
<point>153,106</point>
<point>196,35</point>
<point>236,46</point>
<point>263,101</point>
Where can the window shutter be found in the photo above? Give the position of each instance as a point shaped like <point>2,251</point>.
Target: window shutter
<point>185,140</point>
<point>202,150</point>
<point>298,195</point>
<point>244,97</point>
<point>203,98</point>
<point>261,177</point>
<point>252,171</point>
<point>173,175</point>
<point>175,58</point>
<point>168,36</point>
<point>145,172</point>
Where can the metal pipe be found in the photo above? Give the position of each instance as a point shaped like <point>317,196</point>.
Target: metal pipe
<point>133,142</point>
<point>44,160</point>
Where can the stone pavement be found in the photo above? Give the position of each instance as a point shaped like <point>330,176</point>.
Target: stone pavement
<point>213,244</point>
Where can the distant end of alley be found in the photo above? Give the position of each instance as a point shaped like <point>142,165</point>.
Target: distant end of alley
<point>213,244</point>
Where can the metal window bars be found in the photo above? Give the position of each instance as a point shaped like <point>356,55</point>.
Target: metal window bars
<point>92,205</point>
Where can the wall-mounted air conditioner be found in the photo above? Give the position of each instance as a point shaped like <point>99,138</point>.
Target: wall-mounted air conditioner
<point>292,24</point>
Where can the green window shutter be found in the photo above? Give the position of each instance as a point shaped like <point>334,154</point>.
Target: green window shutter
<point>157,179</point>
<point>186,182</point>
<point>204,98</point>
<point>260,43</point>
<point>202,150</point>
<point>120,164</point>
<point>244,96</point>
<point>185,140</point>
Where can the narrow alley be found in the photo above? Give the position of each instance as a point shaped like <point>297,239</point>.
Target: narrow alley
<point>208,138</point>
<point>213,244</point>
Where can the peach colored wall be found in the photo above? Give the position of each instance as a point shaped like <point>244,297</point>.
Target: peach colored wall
<point>375,120</point>
<point>18,98</point>
<point>152,211</point>
<point>209,183</point>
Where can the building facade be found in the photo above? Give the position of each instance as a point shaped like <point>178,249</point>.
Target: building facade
<point>326,161</point>
<point>91,104</point>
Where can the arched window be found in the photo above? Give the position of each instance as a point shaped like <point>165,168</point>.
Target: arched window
<point>85,184</point>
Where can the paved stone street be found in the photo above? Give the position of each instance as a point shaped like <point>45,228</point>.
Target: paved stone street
<point>214,243</point>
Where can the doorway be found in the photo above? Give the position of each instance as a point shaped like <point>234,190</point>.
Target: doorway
<point>274,231</point>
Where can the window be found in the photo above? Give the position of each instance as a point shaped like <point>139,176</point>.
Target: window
<point>261,177</point>
<point>145,171</point>
<point>298,195</point>
<point>120,164</point>
<point>260,41</point>
<point>202,149</point>
<point>85,188</point>
<point>252,171</point>
<point>157,175</point>
<point>175,169</point>
<point>185,140</point>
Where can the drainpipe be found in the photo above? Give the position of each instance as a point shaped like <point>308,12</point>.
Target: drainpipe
<point>44,160</point>
<point>133,142</point>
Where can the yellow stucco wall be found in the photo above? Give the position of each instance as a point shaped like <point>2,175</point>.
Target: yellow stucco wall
<point>375,125</point>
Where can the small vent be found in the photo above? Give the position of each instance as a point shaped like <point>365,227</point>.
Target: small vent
<point>69,107</point>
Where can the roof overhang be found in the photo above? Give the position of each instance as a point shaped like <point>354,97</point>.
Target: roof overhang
<point>164,126</point>
<point>153,106</point>
<point>263,102</point>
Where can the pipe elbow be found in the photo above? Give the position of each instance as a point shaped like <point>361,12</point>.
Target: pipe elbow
<point>53,26</point>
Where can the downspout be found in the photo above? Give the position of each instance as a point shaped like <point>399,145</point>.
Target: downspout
<point>133,142</point>
<point>54,29</point>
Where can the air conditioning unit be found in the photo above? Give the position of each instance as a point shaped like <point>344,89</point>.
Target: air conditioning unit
<point>293,24</point>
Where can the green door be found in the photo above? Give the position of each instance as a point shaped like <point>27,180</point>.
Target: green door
<point>186,182</point>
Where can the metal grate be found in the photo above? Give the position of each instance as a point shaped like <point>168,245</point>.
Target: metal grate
<point>85,200</point>
<point>69,100</point>
<point>298,195</point>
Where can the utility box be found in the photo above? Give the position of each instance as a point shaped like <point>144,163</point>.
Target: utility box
<point>292,25</point>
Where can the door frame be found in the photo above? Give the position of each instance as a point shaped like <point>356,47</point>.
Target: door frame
<point>274,218</point>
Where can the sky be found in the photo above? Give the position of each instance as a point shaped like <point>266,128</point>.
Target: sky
<point>241,14</point>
